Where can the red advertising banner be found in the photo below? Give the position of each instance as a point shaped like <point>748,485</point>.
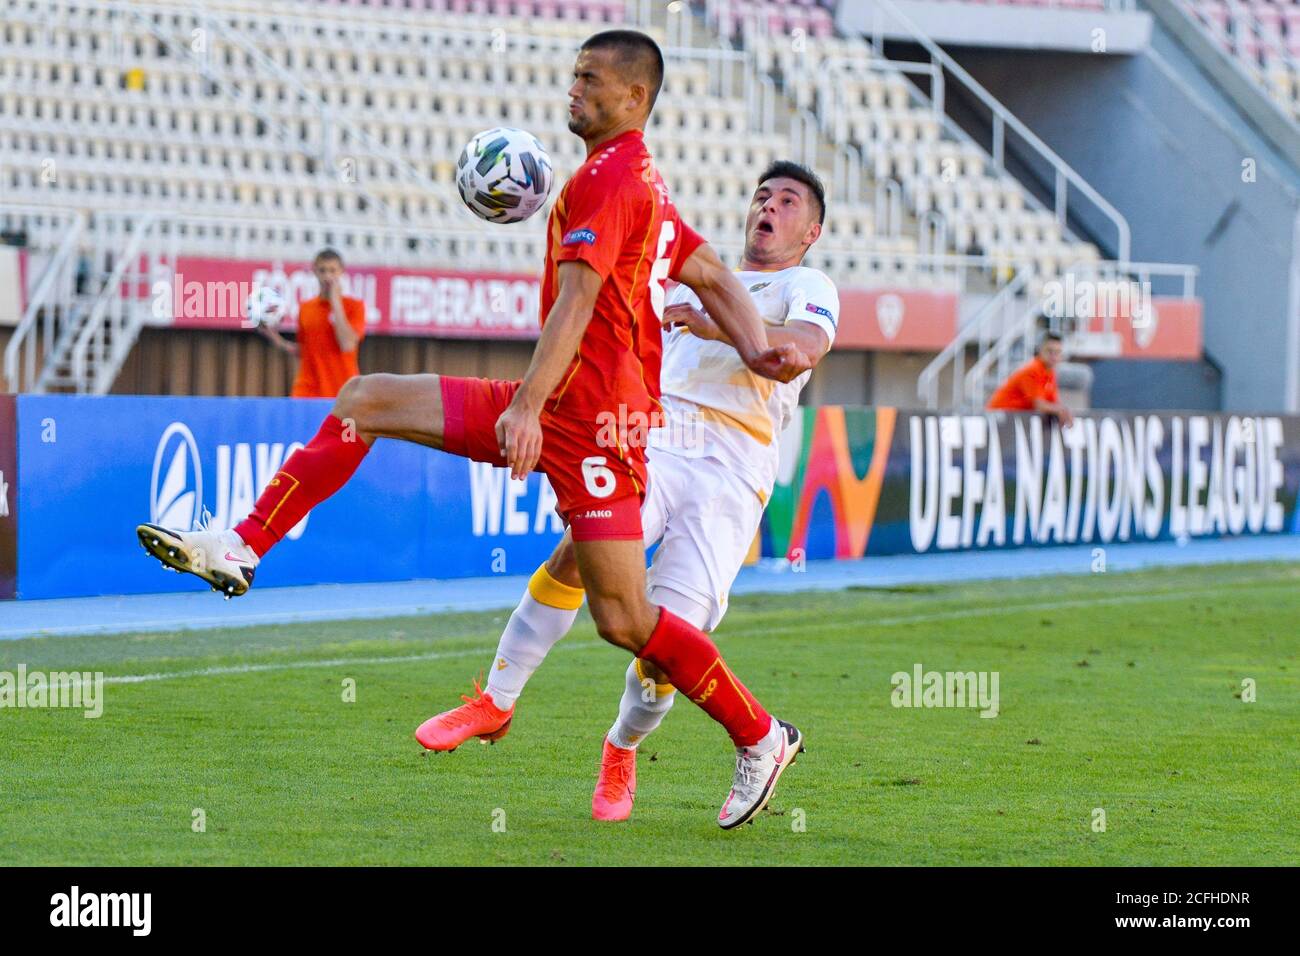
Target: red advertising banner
<point>1173,331</point>
<point>210,293</point>
<point>902,320</point>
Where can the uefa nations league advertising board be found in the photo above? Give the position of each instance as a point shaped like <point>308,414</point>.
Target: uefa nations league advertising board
<point>853,482</point>
<point>863,481</point>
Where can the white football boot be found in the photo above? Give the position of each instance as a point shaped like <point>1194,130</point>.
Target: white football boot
<point>756,776</point>
<point>219,557</point>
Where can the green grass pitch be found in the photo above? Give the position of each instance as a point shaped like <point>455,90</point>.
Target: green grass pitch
<point>1118,692</point>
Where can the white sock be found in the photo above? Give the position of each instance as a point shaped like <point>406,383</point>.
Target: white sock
<point>533,629</point>
<point>231,539</point>
<point>770,741</point>
<point>641,710</point>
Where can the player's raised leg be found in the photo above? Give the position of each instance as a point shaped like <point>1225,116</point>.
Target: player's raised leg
<point>614,574</point>
<point>409,407</point>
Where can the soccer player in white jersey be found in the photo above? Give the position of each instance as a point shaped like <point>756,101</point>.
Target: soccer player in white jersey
<point>712,466</point>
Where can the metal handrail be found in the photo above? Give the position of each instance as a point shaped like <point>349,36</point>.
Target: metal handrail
<point>889,200</point>
<point>24,332</point>
<point>109,295</point>
<point>1024,328</point>
<point>847,173</point>
<point>934,231</point>
<point>1004,119</point>
<point>927,383</point>
<point>805,130</point>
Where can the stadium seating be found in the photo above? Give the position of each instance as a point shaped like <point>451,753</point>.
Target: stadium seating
<point>405,82</point>
<point>1263,36</point>
<point>876,110</point>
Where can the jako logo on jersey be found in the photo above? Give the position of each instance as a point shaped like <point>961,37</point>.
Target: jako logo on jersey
<point>598,514</point>
<point>242,470</point>
<point>824,313</point>
<point>579,235</point>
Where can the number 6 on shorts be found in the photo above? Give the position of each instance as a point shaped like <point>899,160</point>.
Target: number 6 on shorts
<point>599,480</point>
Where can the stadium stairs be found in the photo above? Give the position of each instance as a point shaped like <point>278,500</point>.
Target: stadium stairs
<point>1200,160</point>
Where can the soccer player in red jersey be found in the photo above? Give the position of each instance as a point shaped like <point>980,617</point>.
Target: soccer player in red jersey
<point>614,238</point>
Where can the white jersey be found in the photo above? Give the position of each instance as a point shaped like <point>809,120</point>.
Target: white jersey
<point>715,407</point>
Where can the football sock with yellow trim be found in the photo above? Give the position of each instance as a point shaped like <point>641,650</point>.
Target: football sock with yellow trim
<point>307,478</point>
<point>695,666</point>
<point>544,615</point>
<point>642,709</point>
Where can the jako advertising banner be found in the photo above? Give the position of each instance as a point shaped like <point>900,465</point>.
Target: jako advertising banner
<point>853,482</point>
<point>91,468</point>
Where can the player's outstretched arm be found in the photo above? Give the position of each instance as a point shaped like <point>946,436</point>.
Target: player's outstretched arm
<point>810,339</point>
<point>726,300</point>
<point>519,432</point>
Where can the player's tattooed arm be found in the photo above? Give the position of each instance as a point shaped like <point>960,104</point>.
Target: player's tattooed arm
<point>727,301</point>
<point>810,339</point>
<point>519,432</point>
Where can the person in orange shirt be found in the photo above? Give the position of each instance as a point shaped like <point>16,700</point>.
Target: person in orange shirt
<point>1032,387</point>
<point>330,329</point>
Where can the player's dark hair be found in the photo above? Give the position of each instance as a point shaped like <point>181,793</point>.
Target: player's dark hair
<point>785,169</point>
<point>1048,337</point>
<point>328,255</point>
<point>636,50</point>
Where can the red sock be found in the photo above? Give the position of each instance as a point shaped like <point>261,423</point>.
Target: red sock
<point>694,665</point>
<point>310,476</point>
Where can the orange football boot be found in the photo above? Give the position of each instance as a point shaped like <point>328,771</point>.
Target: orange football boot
<point>616,785</point>
<point>477,717</point>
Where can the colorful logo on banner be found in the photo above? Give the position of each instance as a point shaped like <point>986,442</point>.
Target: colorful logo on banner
<point>861,481</point>
<point>833,462</point>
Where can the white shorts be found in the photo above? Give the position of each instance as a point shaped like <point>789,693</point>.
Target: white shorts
<point>705,519</point>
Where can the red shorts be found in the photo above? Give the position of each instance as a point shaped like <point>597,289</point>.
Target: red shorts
<point>598,489</point>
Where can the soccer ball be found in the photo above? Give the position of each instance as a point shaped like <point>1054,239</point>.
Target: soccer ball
<point>504,175</point>
<point>265,306</point>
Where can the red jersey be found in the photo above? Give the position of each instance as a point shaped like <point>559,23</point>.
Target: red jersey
<point>1031,381</point>
<point>615,215</point>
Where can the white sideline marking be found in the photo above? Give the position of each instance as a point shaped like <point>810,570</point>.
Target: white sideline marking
<point>305,665</point>
<point>262,619</point>
<point>587,645</point>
